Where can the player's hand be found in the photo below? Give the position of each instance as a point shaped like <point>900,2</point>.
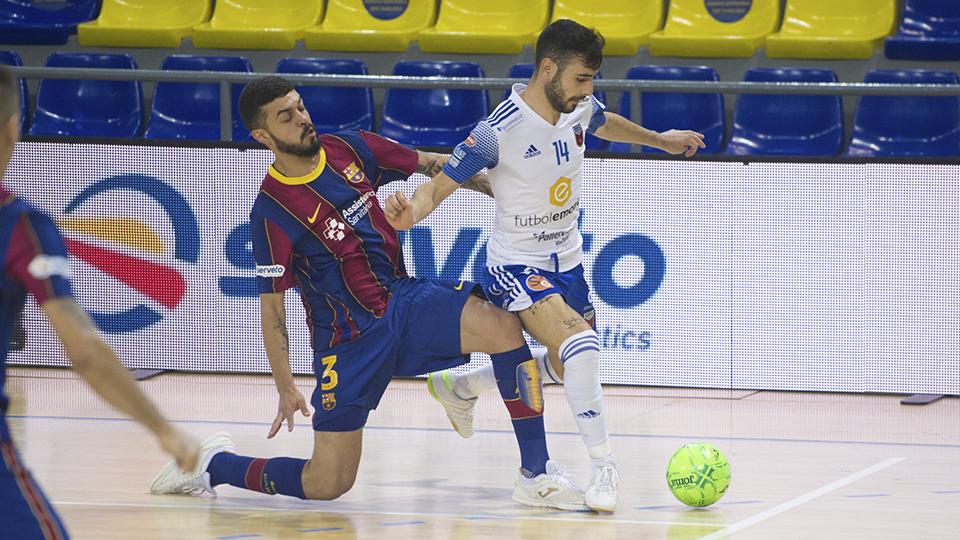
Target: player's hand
<point>684,142</point>
<point>399,211</point>
<point>291,401</point>
<point>183,448</point>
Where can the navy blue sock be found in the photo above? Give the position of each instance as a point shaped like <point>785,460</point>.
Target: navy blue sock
<point>518,380</point>
<point>271,476</point>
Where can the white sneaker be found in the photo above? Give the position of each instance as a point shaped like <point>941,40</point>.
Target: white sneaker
<point>601,495</point>
<point>551,490</point>
<point>459,410</point>
<point>172,480</point>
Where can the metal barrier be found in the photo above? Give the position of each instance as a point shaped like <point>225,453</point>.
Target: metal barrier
<point>224,79</point>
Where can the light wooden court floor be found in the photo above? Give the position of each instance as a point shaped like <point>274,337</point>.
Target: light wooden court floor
<point>804,465</point>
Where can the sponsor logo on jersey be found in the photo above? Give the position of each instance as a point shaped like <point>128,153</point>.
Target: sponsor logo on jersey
<point>534,220</point>
<point>560,191</point>
<point>335,230</point>
<point>353,173</point>
<point>531,152</point>
<point>559,237</point>
<point>470,141</point>
<point>271,271</point>
<point>360,207</point>
<point>578,134</point>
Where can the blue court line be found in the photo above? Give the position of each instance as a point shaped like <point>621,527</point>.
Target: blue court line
<point>510,432</point>
<point>401,523</point>
<point>325,529</point>
<point>947,491</point>
<point>739,502</point>
<point>867,495</point>
<point>658,507</point>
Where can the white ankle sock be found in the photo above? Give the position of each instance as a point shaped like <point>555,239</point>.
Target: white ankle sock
<point>475,382</point>
<point>548,374</point>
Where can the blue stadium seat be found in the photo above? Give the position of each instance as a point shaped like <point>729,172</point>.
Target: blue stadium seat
<point>518,71</point>
<point>333,109</point>
<point>10,58</point>
<point>525,71</point>
<point>433,116</point>
<point>930,30</point>
<point>662,111</point>
<point>787,125</point>
<point>192,111</point>
<point>907,125</point>
<point>89,108</point>
<point>43,23</point>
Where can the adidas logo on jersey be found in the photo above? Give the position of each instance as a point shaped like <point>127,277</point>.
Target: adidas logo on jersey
<point>531,152</point>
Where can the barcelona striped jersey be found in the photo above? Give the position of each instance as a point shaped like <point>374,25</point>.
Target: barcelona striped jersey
<point>33,259</point>
<point>326,234</point>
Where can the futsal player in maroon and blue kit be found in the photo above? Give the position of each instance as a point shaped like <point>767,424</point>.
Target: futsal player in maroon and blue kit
<point>317,225</point>
<point>34,261</point>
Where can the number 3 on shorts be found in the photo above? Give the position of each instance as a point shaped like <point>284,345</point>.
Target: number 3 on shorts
<point>329,379</point>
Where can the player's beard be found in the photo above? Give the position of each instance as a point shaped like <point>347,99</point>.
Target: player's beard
<point>307,147</point>
<point>556,98</point>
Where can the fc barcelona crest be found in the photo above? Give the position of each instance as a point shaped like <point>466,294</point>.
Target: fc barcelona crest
<point>578,133</point>
<point>353,173</point>
<point>328,400</point>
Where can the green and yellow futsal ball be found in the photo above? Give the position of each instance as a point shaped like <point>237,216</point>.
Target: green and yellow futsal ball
<point>698,474</point>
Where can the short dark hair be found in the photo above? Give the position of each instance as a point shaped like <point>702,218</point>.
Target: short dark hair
<point>563,40</point>
<point>257,94</point>
<point>9,94</point>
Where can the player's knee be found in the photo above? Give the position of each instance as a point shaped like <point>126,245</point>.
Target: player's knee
<point>509,331</point>
<point>327,486</point>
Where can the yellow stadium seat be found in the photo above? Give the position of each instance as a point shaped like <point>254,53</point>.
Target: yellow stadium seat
<point>832,29</point>
<point>694,30</point>
<point>258,24</point>
<point>144,23</point>
<point>355,25</point>
<point>625,24</point>
<point>485,27</point>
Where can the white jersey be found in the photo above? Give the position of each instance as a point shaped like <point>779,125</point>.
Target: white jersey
<point>535,173</point>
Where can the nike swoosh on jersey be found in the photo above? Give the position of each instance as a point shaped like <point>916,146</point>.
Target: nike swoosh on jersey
<point>313,219</point>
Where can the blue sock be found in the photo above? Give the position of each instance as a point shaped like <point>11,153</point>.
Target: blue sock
<point>271,476</point>
<point>518,380</point>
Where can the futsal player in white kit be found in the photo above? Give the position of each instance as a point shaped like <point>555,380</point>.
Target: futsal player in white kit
<point>533,146</point>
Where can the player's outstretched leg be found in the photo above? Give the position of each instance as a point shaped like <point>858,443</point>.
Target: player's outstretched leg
<point>219,464</point>
<point>559,327</point>
<point>485,328</point>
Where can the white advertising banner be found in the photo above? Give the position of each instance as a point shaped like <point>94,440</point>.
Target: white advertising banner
<point>813,276</point>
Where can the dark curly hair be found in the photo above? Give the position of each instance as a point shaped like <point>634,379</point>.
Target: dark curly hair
<point>257,94</point>
<point>563,40</point>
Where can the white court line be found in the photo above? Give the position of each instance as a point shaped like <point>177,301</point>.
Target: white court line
<point>234,507</point>
<point>806,497</point>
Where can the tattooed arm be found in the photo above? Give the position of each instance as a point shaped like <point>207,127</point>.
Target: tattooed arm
<point>430,164</point>
<point>276,341</point>
<point>99,366</point>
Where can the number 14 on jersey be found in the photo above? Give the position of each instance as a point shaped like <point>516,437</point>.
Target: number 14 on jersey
<point>561,150</point>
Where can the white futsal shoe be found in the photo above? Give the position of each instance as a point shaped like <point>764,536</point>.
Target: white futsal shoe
<point>172,480</point>
<point>459,410</point>
<point>601,495</point>
<point>551,490</point>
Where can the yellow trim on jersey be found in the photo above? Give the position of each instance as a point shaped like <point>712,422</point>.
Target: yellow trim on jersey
<point>305,179</point>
